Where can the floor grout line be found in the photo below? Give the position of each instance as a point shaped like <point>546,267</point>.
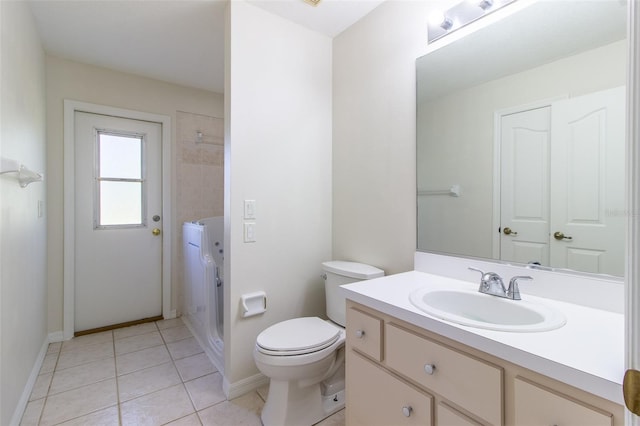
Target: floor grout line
<point>115,368</point>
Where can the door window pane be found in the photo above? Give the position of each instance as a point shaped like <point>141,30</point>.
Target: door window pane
<point>119,180</point>
<point>120,156</point>
<point>120,203</point>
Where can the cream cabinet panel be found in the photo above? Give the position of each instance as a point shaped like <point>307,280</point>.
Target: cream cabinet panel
<point>463,380</point>
<point>375,397</point>
<point>449,416</point>
<point>365,333</point>
<point>460,386</point>
<point>535,405</point>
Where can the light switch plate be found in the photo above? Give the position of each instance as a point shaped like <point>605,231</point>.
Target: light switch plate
<point>249,209</point>
<point>250,232</point>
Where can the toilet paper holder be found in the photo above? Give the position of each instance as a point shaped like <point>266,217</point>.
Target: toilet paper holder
<point>253,303</point>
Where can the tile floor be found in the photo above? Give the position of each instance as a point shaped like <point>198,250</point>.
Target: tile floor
<point>148,374</point>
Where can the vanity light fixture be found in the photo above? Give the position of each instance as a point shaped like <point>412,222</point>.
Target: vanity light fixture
<point>460,15</point>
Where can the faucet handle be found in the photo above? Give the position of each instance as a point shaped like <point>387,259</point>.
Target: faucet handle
<point>513,292</point>
<point>483,284</point>
<point>477,270</point>
<point>488,281</point>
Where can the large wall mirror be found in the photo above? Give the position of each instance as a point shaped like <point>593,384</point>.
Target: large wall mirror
<point>521,139</point>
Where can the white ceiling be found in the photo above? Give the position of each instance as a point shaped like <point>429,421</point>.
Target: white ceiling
<point>178,41</point>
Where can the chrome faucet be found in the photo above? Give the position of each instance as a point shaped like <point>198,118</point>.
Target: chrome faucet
<point>513,292</point>
<point>491,283</point>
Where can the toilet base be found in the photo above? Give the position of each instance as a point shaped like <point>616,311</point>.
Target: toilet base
<point>289,405</point>
<point>333,403</point>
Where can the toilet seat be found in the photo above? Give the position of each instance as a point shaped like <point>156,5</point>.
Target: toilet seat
<point>297,336</point>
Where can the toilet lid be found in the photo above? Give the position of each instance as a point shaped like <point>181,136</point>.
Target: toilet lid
<point>298,335</point>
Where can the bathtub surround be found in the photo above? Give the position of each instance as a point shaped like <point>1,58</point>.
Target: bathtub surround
<point>23,234</point>
<point>199,166</point>
<point>199,177</point>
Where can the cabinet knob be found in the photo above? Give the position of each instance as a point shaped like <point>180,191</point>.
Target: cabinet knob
<point>359,334</point>
<point>429,368</point>
<point>407,410</point>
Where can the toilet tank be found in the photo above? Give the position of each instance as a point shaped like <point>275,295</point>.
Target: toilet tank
<point>337,273</point>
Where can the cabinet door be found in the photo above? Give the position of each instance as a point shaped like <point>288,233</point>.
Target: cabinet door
<point>449,416</point>
<point>535,405</point>
<point>364,333</point>
<point>375,397</point>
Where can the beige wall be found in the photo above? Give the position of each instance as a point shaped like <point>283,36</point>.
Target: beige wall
<point>71,80</point>
<point>278,153</point>
<point>452,153</point>
<point>374,181</point>
<point>23,239</point>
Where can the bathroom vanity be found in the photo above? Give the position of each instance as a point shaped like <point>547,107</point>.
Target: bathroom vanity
<point>407,367</point>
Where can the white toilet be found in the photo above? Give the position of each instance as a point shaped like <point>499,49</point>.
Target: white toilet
<point>304,357</point>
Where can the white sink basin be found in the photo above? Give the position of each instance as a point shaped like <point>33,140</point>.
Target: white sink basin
<point>475,309</point>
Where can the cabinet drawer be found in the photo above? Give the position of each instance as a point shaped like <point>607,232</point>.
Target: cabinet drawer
<point>449,416</point>
<point>463,380</point>
<point>536,405</point>
<point>375,397</point>
<point>364,333</point>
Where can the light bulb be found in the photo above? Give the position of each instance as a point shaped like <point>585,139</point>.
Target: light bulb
<point>440,19</point>
<point>485,4</point>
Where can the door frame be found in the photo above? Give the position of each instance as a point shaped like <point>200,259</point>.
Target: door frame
<point>632,275</point>
<point>70,108</point>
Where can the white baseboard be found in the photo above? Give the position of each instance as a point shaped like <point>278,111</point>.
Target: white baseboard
<point>172,314</point>
<point>31,381</point>
<point>234,390</point>
<point>56,336</point>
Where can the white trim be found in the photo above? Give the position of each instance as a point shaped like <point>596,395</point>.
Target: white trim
<point>56,336</point>
<point>236,389</point>
<point>70,107</point>
<point>632,276</point>
<point>31,381</point>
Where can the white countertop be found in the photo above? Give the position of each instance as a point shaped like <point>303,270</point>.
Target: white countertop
<point>587,352</point>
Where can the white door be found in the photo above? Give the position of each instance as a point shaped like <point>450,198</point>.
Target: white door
<point>118,247</point>
<point>524,186</point>
<point>588,175</point>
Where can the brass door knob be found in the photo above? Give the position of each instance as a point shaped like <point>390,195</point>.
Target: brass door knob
<point>631,390</point>
<point>156,231</point>
<point>509,231</point>
<point>560,236</point>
